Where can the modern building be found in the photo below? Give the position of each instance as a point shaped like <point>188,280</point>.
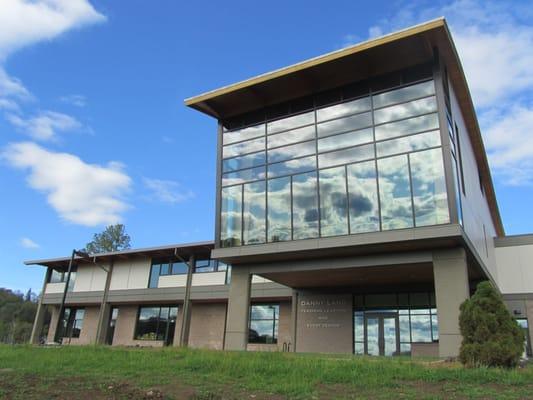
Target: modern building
<point>354,205</point>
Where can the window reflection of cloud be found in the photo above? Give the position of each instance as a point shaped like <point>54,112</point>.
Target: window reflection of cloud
<point>395,193</point>
<point>345,140</point>
<point>292,167</point>
<point>405,127</point>
<point>245,175</point>
<point>243,134</point>
<point>408,143</point>
<point>344,124</point>
<point>339,110</point>
<point>305,206</point>
<point>346,156</point>
<point>254,213</point>
<point>230,221</point>
<point>333,203</point>
<point>250,160</point>
<point>295,135</point>
<point>279,209</point>
<point>292,151</point>
<point>404,94</point>
<point>243,147</point>
<point>291,122</point>
<point>363,200</point>
<point>400,111</point>
<point>429,188</point>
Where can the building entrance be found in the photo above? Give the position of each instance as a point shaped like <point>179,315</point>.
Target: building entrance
<point>381,334</point>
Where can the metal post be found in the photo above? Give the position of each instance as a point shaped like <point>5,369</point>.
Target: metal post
<point>62,305</point>
<point>41,311</point>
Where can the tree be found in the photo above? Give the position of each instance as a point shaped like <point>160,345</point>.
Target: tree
<point>113,238</point>
<point>491,336</point>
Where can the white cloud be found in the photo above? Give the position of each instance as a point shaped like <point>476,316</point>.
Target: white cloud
<point>28,243</point>
<point>46,125</point>
<point>494,42</point>
<point>74,99</point>
<point>12,87</point>
<point>167,191</point>
<point>81,193</point>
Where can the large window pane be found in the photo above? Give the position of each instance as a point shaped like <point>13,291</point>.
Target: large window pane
<point>230,216</point>
<point>264,323</point>
<point>147,323</point>
<point>293,136</point>
<point>408,143</point>
<point>407,126</point>
<point>291,122</point>
<point>333,202</point>
<point>254,213</point>
<point>245,175</point>
<point>420,328</point>
<point>344,124</point>
<point>405,110</point>
<point>404,94</point>
<point>429,188</point>
<point>350,155</point>
<point>238,149</point>
<point>248,161</point>
<point>363,197</point>
<point>345,140</point>
<point>395,193</point>
<point>279,209</point>
<point>292,151</point>
<point>304,206</point>
<point>292,167</point>
<point>243,134</point>
<point>339,110</point>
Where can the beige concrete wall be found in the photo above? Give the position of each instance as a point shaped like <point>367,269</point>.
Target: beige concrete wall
<point>209,278</point>
<point>424,350</point>
<point>172,281</point>
<point>55,288</point>
<point>90,277</point>
<point>476,212</point>
<point>53,321</point>
<point>131,274</point>
<point>207,325</point>
<point>515,269</point>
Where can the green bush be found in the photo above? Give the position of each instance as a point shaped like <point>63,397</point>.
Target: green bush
<point>491,336</point>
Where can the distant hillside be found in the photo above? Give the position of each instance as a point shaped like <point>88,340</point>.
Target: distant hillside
<point>17,311</point>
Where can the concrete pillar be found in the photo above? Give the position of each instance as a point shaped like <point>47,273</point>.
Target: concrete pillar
<point>238,309</point>
<point>529,316</point>
<point>53,323</point>
<point>105,308</point>
<point>186,309</point>
<point>38,322</point>
<point>451,289</point>
<point>294,320</point>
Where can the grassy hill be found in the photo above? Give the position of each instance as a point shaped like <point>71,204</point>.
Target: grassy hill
<point>133,373</point>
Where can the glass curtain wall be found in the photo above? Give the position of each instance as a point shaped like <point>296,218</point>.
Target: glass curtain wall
<point>364,165</point>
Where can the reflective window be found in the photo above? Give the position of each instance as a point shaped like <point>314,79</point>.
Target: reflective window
<point>230,218</point>
<point>405,110</point>
<point>206,265</point>
<point>292,167</point>
<point>404,94</point>
<point>407,126</point>
<point>254,213</point>
<point>156,323</point>
<point>344,124</point>
<point>279,209</point>
<point>291,122</point>
<point>333,202</point>
<point>408,143</point>
<point>429,188</point>
<point>244,175</point>
<point>264,323</point>
<point>71,322</point>
<point>248,161</point>
<point>350,155</point>
<point>292,151</point>
<point>293,136</point>
<point>395,193</point>
<point>345,140</point>
<point>243,134</point>
<point>304,206</point>
<point>238,149</point>
<point>363,197</point>
<point>339,110</point>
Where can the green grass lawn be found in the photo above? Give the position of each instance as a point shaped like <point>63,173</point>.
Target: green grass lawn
<point>132,373</point>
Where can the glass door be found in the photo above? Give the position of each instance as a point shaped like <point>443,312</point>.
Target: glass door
<point>381,335</point>
<point>111,327</point>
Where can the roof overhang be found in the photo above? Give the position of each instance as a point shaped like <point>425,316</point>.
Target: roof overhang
<point>184,250</point>
<point>374,57</point>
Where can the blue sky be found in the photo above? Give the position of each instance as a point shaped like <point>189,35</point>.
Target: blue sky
<point>93,129</point>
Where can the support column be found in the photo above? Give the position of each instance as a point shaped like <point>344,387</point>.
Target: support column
<point>41,312</point>
<point>186,309</point>
<point>294,319</point>
<point>238,309</point>
<point>451,289</point>
<point>105,308</point>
